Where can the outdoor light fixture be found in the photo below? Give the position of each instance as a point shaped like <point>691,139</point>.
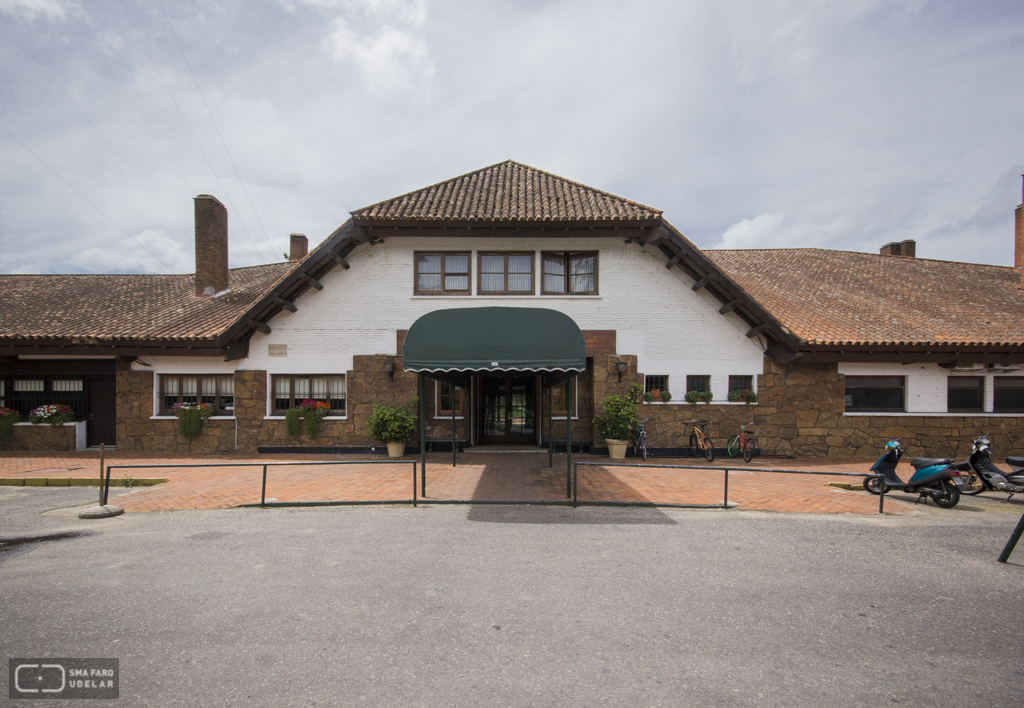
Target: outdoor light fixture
<point>389,366</point>
<point>621,367</point>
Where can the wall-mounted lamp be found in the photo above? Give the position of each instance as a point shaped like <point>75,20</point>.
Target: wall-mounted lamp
<point>622,367</point>
<point>389,366</point>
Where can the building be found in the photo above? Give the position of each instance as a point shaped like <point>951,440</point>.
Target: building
<point>843,350</point>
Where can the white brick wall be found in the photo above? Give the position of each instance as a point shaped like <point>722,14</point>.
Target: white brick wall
<point>673,330</point>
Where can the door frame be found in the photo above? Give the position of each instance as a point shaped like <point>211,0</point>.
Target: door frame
<point>480,411</point>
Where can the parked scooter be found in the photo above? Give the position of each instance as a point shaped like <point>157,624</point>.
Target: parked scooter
<point>931,478</point>
<point>978,473</point>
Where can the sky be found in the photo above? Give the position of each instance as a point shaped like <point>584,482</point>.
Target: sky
<point>843,124</point>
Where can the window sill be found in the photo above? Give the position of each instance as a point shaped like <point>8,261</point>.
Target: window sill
<point>931,414</point>
<point>174,417</point>
<point>505,297</point>
<point>46,425</point>
<point>326,417</point>
<point>448,417</point>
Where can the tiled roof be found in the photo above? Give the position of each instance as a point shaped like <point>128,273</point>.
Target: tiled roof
<point>142,307</point>
<point>839,297</point>
<point>507,192</point>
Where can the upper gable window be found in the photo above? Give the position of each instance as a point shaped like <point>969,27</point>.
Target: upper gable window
<point>506,274</point>
<point>570,274</point>
<point>442,273</point>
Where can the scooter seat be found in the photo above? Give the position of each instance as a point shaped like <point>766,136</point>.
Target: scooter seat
<point>1015,461</point>
<point>919,462</point>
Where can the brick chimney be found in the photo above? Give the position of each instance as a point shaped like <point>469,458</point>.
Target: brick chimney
<point>299,247</point>
<point>906,249</point>
<point>211,246</point>
<point>1018,254</point>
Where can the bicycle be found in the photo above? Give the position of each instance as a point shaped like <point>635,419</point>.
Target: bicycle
<point>700,442</point>
<point>742,442</point>
<point>640,444</point>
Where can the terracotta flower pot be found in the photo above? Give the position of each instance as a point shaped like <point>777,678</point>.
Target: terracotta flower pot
<point>396,449</point>
<point>617,449</point>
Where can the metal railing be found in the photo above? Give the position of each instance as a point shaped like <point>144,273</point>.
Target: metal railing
<point>265,465</point>
<point>706,468</point>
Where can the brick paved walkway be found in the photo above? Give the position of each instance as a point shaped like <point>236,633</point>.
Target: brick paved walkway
<point>479,476</point>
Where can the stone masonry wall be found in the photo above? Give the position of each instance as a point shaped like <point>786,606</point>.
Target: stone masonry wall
<point>39,438</point>
<point>800,413</point>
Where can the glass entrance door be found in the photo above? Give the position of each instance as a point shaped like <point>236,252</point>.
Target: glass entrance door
<point>508,407</point>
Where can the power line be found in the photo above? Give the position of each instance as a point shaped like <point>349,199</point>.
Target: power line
<point>27,257</point>
<point>145,122</point>
<point>87,200</point>
<point>94,128</point>
<point>216,127</point>
<point>188,125</point>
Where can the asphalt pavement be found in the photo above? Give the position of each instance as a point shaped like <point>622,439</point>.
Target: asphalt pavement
<point>520,606</point>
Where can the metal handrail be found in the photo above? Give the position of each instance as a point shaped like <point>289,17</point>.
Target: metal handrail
<point>264,465</point>
<point>725,494</point>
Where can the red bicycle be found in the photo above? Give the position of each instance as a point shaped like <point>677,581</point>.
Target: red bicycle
<point>742,442</point>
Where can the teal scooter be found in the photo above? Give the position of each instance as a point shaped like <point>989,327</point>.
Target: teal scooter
<point>931,477</point>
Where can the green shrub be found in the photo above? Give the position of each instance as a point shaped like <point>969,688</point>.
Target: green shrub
<point>636,393</point>
<point>392,424</point>
<point>293,422</point>
<point>701,396</point>
<point>619,421</point>
<point>746,396</point>
<point>8,417</point>
<point>190,422</point>
<point>649,397</point>
<point>313,414</point>
<point>666,396</point>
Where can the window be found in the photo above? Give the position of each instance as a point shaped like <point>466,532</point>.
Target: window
<point>291,391</point>
<point>443,399</point>
<point>558,399</point>
<point>965,393</point>
<point>874,393</point>
<point>28,393</point>
<point>570,274</point>
<point>442,274</point>
<point>506,273</point>
<point>218,391</point>
<point>656,383</point>
<point>741,383</point>
<point>1008,390</point>
<point>698,383</point>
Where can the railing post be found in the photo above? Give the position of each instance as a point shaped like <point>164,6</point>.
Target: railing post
<point>881,495</point>
<point>414,484</point>
<point>551,426</point>
<point>1012,543</point>
<point>106,487</point>
<point>575,480</point>
<point>102,448</point>
<point>725,501</point>
<point>263,494</point>
<point>568,434</point>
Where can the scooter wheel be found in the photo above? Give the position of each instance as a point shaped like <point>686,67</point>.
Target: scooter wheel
<point>972,484</point>
<point>873,485</point>
<point>950,496</point>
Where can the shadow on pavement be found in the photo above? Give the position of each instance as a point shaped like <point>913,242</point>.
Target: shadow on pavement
<point>509,514</point>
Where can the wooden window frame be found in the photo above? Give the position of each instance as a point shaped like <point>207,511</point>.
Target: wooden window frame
<point>439,410</point>
<point>647,386</point>
<point>221,411</point>
<point>996,388</point>
<point>294,401</point>
<point>567,257</point>
<point>480,273</point>
<point>443,291</point>
<point>860,378</point>
<point>691,377</point>
<point>978,384</point>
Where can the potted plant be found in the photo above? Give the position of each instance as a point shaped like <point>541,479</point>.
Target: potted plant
<point>666,396</point>
<point>649,396</point>
<point>394,426</point>
<point>619,424</point>
<point>746,396</point>
<point>191,417</point>
<point>8,417</point>
<point>53,414</point>
<point>699,397</point>
<point>313,413</point>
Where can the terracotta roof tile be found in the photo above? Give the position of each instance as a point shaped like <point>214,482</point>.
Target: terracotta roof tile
<point>146,307</point>
<point>839,297</point>
<point>507,192</point>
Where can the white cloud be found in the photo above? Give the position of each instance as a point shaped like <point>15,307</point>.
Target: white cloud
<point>760,232</point>
<point>30,9</point>
<point>127,256</point>
<point>391,61</point>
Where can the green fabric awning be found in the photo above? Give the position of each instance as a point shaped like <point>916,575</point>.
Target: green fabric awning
<point>494,339</point>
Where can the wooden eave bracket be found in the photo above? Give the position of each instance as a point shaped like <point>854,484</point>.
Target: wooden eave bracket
<point>757,331</point>
<point>285,304</point>
<point>260,326</point>
<point>703,282</point>
<point>339,260</point>
<point>674,259</point>
<point>311,281</point>
<point>730,306</point>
